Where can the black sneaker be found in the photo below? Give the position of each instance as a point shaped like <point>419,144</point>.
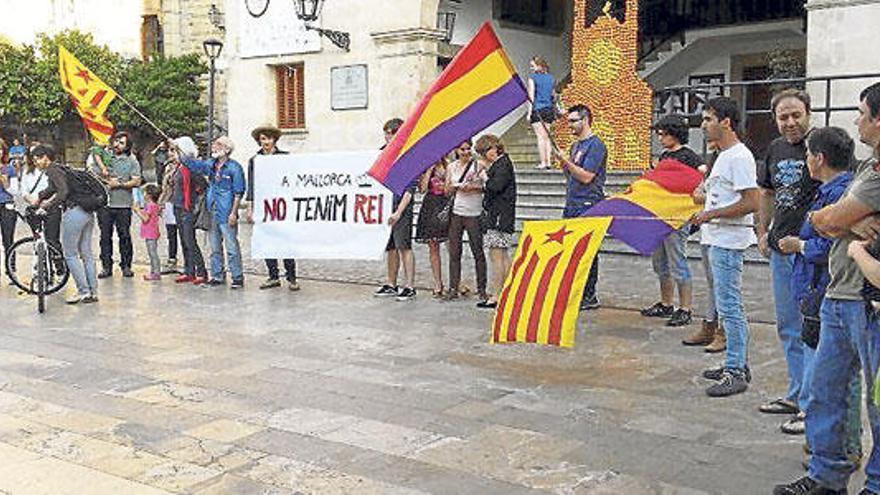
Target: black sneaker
<point>105,274</point>
<point>732,382</point>
<point>718,373</point>
<point>805,486</point>
<point>386,291</point>
<point>680,318</point>
<point>127,273</point>
<point>590,304</point>
<point>657,310</point>
<point>212,283</point>
<point>237,284</point>
<point>406,294</point>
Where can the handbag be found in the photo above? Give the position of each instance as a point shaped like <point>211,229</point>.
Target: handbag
<point>810,307</point>
<point>202,214</point>
<point>445,213</point>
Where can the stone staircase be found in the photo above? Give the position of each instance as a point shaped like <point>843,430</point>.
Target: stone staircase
<point>541,193</point>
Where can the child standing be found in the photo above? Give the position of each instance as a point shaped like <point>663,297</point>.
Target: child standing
<point>150,215</point>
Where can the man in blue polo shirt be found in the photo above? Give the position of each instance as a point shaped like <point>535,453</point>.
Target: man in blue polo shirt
<point>585,172</point>
<point>226,186</point>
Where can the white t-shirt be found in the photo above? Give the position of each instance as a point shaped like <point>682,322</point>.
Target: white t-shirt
<point>470,203</point>
<point>734,171</point>
<point>33,183</point>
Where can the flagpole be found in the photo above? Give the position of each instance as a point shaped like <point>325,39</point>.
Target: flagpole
<point>543,124</point>
<point>141,115</point>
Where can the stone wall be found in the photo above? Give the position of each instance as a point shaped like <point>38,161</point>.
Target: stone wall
<point>400,52</point>
<point>186,25</point>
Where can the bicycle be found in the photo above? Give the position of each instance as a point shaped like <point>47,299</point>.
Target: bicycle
<point>34,265</point>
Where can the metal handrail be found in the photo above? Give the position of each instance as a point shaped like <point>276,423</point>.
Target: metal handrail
<point>827,109</point>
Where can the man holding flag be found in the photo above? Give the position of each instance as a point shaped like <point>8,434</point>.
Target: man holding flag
<point>585,173</point>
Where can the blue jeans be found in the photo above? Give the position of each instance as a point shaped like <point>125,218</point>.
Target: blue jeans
<point>848,340</point>
<point>670,259</point>
<point>853,404</point>
<point>711,312</point>
<point>221,234</point>
<point>788,324</point>
<point>77,228</point>
<point>727,268</point>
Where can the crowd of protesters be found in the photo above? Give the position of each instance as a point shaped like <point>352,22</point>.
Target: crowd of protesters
<point>808,206</point>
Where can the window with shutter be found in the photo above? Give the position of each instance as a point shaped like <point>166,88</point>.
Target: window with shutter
<point>290,90</point>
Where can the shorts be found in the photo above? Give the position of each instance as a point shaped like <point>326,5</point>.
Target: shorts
<point>670,258</point>
<point>401,234</point>
<point>495,239</point>
<point>547,115</point>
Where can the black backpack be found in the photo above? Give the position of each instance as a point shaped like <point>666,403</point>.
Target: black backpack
<point>85,190</point>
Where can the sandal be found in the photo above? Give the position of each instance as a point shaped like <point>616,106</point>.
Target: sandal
<point>779,406</point>
<point>437,293</point>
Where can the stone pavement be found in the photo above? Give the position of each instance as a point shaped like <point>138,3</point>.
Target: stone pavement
<point>626,281</point>
<point>162,388</point>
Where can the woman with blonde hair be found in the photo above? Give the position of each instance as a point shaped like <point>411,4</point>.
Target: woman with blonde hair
<point>541,110</point>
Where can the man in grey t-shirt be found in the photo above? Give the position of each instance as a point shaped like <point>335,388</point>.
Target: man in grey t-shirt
<point>123,175</point>
<point>849,337</point>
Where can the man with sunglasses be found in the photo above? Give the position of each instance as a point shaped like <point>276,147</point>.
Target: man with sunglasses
<point>585,173</point>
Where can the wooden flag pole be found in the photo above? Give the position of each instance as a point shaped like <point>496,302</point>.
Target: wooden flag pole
<point>141,115</point>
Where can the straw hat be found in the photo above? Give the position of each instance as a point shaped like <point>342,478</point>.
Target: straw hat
<point>268,130</point>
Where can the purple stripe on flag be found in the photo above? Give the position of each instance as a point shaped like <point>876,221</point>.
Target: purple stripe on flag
<point>446,136</point>
<point>644,233</point>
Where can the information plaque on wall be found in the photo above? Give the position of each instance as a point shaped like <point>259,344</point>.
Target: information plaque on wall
<point>348,87</point>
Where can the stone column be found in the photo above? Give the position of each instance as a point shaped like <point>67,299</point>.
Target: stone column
<point>842,39</point>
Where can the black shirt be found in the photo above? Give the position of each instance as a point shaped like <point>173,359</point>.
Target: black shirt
<point>685,155</point>
<point>785,172</point>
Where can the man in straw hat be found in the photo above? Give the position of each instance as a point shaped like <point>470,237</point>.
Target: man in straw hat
<point>267,137</point>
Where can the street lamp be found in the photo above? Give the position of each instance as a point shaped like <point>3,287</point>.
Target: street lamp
<point>309,11</point>
<point>212,47</point>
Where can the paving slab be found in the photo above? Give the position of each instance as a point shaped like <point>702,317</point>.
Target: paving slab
<point>181,389</point>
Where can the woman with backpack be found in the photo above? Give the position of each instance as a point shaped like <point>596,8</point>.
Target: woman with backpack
<point>77,224</point>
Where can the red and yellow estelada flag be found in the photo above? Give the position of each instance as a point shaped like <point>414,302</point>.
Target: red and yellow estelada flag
<point>88,93</point>
<point>541,296</point>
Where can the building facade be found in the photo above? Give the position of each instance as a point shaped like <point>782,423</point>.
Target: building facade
<point>276,71</point>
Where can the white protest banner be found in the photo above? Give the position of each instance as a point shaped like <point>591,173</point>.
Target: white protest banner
<point>319,206</point>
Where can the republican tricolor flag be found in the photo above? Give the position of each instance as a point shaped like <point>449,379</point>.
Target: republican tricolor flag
<point>540,300</point>
<point>479,87</point>
<point>655,205</point>
<point>88,93</point>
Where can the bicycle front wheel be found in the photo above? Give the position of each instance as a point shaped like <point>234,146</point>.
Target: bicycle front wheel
<point>42,264</point>
<point>22,266</point>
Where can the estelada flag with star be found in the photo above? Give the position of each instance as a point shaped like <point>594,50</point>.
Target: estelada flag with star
<point>541,297</point>
<point>88,93</point>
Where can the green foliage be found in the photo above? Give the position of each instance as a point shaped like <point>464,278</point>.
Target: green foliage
<point>167,90</point>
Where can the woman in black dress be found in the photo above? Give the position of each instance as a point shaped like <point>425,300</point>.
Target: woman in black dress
<point>430,229</point>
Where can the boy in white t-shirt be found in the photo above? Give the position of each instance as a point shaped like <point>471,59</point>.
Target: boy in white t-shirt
<point>732,196</point>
